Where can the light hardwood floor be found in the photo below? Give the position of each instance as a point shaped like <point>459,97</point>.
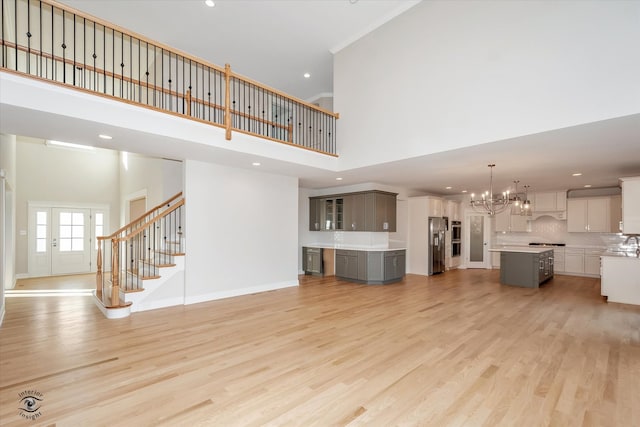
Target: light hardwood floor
<point>448,350</point>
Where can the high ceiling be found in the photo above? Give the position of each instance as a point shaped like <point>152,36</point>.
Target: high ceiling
<point>272,41</point>
<point>277,41</point>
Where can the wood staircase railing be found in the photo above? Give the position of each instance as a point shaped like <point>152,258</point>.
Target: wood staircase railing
<point>138,250</point>
<point>49,41</point>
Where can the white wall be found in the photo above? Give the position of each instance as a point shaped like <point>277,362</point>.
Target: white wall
<point>450,74</point>
<point>157,179</point>
<point>243,231</point>
<point>52,174</point>
<point>7,216</point>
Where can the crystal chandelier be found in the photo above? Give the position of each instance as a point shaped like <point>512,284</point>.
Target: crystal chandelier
<point>488,203</point>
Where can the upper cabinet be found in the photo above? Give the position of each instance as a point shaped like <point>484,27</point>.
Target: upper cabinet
<point>452,210</point>
<point>550,202</point>
<point>365,211</point>
<point>594,215</point>
<point>504,222</point>
<point>631,205</point>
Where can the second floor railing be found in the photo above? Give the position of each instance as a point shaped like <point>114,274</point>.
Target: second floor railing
<point>47,40</point>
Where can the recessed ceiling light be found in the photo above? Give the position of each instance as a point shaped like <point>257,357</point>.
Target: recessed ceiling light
<point>464,191</point>
<point>587,186</point>
<point>338,179</point>
<point>576,174</point>
<point>209,3</point>
<point>103,136</point>
<point>447,188</point>
<point>307,75</point>
<point>255,164</point>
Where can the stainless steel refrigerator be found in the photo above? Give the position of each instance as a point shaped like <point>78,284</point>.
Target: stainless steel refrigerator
<point>437,228</point>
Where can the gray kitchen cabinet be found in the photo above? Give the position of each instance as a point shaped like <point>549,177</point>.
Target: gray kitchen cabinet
<point>347,264</point>
<point>312,261</point>
<point>371,267</point>
<point>363,211</point>
<point>315,220</point>
<point>354,212</point>
<point>380,214</point>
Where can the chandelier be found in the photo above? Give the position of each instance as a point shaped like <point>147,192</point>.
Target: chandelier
<point>521,204</point>
<point>488,203</point>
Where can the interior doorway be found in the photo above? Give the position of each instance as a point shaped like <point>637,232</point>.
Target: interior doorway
<point>477,241</point>
<point>137,208</point>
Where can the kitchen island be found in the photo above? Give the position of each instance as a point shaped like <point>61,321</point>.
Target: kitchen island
<point>525,266</point>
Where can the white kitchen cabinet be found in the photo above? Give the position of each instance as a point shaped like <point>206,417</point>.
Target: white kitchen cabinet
<point>452,210</point>
<point>504,222</point>
<point>582,261</point>
<point>558,260</point>
<point>593,215</point>
<point>621,279</point>
<point>435,207</point>
<point>592,262</point>
<point>631,205</point>
<point>549,202</point>
<point>574,261</point>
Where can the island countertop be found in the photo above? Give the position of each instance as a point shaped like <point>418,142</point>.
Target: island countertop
<point>522,249</point>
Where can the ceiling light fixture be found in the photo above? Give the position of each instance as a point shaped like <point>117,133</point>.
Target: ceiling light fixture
<point>447,188</point>
<point>338,179</point>
<point>255,164</point>
<point>209,3</point>
<point>70,145</point>
<point>306,75</point>
<point>464,191</point>
<point>587,186</point>
<point>104,136</point>
<point>490,204</point>
<point>576,174</point>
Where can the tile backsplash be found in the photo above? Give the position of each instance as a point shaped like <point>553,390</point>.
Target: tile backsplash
<point>550,230</point>
<point>356,239</point>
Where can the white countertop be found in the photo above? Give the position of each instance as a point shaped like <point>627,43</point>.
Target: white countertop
<point>522,249</point>
<point>355,248</point>
<point>618,254</point>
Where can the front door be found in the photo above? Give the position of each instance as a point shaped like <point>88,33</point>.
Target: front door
<point>70,248</point>
<point>62,240</point>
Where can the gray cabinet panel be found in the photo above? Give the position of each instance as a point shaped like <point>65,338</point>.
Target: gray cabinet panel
<point>375,266</point>
<point>525,269</point>
<point>366,211</point>
<point>314,214</point>
<point>312,261</point>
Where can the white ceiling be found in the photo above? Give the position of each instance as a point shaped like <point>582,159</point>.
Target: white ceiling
<point>272,41</point>
<point>276,41</point>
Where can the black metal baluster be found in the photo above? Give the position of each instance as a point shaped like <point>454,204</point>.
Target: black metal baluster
<point>169,81</point>
<point>15,29</point>
<point>40,33</point>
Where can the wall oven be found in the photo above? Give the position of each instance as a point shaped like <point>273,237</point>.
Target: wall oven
<point>456,238</point>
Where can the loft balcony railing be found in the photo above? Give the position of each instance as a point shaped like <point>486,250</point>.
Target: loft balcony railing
<point>47,40</point>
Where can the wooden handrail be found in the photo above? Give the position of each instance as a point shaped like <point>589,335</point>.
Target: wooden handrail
<point>153,221</point>
<point>183,54</point>
<point>140,218</point>
<point>187,97</point>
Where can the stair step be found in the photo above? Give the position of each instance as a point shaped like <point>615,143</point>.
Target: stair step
<point>106,302</point>
<point>149,263</point>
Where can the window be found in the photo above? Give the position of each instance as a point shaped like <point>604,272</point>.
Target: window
<point>41,231</point>
<point>99,227</point>
<point>71,231</point>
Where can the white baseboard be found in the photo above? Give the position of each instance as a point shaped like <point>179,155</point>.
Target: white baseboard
<point>164,303</point>
<point>23,276</point>
<point>239,292</point>
<point>2,314</point>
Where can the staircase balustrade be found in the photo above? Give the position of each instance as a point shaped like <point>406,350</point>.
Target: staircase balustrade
<point>46,40</point>
<point>139,249</point>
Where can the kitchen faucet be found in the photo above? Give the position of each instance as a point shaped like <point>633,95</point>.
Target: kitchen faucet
<point>634,236</point>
